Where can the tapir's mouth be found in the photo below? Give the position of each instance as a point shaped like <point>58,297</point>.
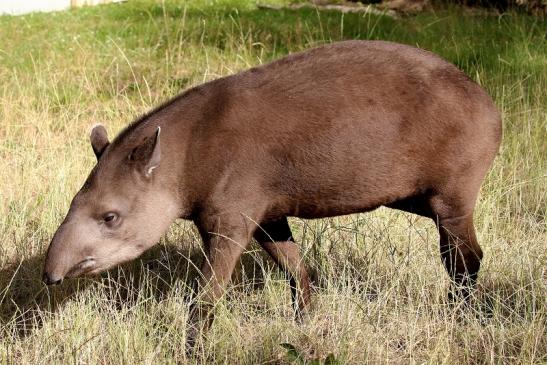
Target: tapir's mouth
<point>82,267</point>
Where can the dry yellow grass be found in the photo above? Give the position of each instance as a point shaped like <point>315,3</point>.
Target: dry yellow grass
<point>380,286</point>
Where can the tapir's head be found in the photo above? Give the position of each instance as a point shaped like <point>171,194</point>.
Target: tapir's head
<point>122,209</point>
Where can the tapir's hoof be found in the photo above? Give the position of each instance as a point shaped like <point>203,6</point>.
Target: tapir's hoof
<point>460,294</point>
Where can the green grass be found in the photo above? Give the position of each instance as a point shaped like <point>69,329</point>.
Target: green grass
<point>380,286</point>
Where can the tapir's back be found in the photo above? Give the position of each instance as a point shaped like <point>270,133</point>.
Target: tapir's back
<point>355,124</point>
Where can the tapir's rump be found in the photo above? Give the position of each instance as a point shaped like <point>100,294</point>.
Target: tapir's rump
<point>339,129</point>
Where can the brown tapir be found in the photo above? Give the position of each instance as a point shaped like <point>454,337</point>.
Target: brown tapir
<point>339,129</point>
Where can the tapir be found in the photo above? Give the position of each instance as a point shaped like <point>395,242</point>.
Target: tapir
<point>339,129</point>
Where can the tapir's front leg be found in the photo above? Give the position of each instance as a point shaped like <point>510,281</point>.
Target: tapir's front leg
<point>225,238</point>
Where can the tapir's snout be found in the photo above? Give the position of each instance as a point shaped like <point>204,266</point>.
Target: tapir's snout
<point>54,265</point>
<point>62,255</point>
<point>53,276</point>
<point>49,279</point>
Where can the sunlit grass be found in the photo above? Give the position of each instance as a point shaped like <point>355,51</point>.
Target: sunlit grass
<point>380,286</point>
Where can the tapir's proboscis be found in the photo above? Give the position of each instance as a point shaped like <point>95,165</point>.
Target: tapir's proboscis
<point>340,129</point>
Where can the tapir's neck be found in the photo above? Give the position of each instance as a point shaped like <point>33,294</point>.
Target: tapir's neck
<point>178,119</point>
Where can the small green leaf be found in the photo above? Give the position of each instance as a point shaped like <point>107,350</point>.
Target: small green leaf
<point>292,353</point>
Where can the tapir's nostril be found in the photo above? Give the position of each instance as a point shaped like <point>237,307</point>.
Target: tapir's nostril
<point>51,280</point>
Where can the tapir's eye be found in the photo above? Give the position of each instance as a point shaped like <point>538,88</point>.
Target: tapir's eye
<point>110,219</point>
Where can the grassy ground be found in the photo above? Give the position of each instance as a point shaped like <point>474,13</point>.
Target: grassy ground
<point>380,285</point>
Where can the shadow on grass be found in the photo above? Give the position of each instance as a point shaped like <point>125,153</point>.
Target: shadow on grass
<point>473,43</point>
<point>25,302</point>
<point>511,300</point>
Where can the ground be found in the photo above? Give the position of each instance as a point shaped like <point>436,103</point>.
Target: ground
<point>380,287</point>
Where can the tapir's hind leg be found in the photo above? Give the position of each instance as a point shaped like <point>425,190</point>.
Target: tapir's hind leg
<point>460,251</point>
<point>276,239</point>
<point>453,215</point>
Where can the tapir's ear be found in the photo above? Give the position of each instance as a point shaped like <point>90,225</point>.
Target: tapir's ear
<point>99,140</point>
<point>147,155</point>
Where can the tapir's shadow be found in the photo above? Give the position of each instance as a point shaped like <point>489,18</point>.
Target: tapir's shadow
<point>24,299</point>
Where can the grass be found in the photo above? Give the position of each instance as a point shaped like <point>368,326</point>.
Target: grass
<point>380,287</point>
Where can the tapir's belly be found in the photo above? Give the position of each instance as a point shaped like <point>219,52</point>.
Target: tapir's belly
<point>356,199</point>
